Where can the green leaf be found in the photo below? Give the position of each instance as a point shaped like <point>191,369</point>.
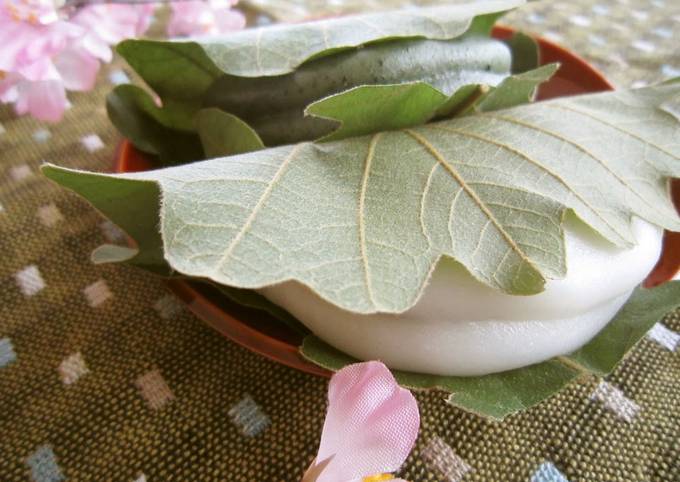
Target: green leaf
<point>281,49</point>
<point>112,253</point>
<point>177,70</point>
<point>525,53</point>
<point>483,24</point>
<point>373,108</point>
<point>370,108</point>
<point>501,394</point>
<point>180,73</point>
<point>275,106</point>
<point>516,90</point>
<point>172,115</point>
<point>152,129</point>
<point>133,205</point>
<point>363,221</point>
<point>248,73</point>
<point>224,134</point>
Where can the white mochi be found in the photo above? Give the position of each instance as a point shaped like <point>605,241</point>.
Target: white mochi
<point>462,327</point>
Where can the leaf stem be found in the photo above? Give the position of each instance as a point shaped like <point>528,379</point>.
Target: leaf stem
<point>572,364</point>
<point>471,101</point>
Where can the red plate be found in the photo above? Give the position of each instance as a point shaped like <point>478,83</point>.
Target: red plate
<point>260,333</point>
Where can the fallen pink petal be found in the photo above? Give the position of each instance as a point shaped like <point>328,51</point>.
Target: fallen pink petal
<point>370,428</point>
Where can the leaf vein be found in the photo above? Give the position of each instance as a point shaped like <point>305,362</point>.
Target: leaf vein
<point>577,146</point>
<point>258,207</point>
<point>473,195</point>
<point>450,220</point>
<point>534,162</point>
<point>614,126</point>
<point>426,190</point>
<point>362,218</point>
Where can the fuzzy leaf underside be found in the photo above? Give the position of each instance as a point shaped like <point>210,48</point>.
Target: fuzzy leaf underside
<point>280,49</point>
<point>185,70</point>
<point>134,207</point>
<point>364,220</point>
<point>501,394</point>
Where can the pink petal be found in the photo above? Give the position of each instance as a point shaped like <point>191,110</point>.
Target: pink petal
<point>24,44</point>
<point>190,18</point>
<point>229,20</point>
<point>97,47</point>
<point>78,69</point>
<point>108,24</point>
<point>8,88</point>
<point>144,18</point>
<point>371,424</point>
<point>13,38</point>
<point>197,17</point>
<point>41,69</point>
<point>45,100</point>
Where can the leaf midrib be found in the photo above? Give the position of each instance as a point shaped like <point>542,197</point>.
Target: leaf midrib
<point>256,210</point>
<point>529,159</point>
<point>362,219</point>
<point>473,195</point>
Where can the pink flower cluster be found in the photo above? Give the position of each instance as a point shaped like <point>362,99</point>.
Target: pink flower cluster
<point>46,49</point>
<point>43,53</point>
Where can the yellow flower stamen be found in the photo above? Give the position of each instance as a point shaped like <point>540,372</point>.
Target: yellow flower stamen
<point>377,478</point>
<point>34,13</point>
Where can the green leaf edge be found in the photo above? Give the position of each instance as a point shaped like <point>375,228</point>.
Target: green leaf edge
<point>148,252</point>
<point>133,112</point>
<point>224,134</point>
<point>415,103</point>
<point>525,52</point>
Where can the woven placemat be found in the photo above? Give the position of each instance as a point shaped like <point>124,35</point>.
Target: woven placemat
<point>104,375</point>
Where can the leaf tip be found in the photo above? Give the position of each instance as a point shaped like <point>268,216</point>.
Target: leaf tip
<point>124,47</point>
<point>52,171</point>
<point>110,253</point>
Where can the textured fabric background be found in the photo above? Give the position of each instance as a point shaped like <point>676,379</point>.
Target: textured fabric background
<point>104,376</point>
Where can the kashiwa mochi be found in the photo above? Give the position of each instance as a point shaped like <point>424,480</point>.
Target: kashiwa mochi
<point>462,327</point>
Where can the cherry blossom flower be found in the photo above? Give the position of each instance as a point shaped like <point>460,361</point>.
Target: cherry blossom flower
<point>45,52</point>
<point>370,428</point>
<point>107,24</point>
<point>197,18</point>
